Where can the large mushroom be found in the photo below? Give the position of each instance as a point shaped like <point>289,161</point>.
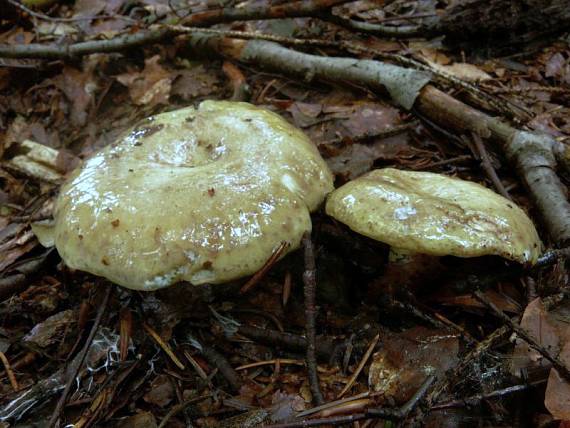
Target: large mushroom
<point>427,213</point>
<point>202,195</point>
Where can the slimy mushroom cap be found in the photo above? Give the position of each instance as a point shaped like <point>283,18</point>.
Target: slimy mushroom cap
<point>200,195</point>
<point>434,214</point>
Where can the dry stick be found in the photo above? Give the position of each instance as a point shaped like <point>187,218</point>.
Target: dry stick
<point>488,166</point>
<point>148,37</point>
<point>9,372</point>
<point>217,360</point>
<point>360,366</point>
<point>265,268</point>
<point>310,282</point>
<point>404,31</point>
<point>179,407</point>
<point>165,347</point>
<point>335,403</point>
<point>75,19</point>
<point>474,399</point>
<point>284,10</point>
<point>76,363</point>
<point>273,362</point>
<point>325,347</point>
<point>380,413</point>
<point>526,336</point>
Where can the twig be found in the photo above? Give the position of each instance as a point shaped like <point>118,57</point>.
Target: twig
<point>179,407</point>
<point>405,410</point>
<point>75,19</point>
<point>9,372</point>
<point>380,413</point>
<point>165,347</point>
<point>76,363</point>
<point>280,361</point>
<point>265,268</point>
<point>403,31</point>
<point>284,10</point>
<point>325,346</point>
<point>334,403</point>
<point>474,399</point>
<point>147,37</point>
<point>286,289</point>
<point>488,166</point>
<point>217,360</point>
<point>310,281</point>
<point>552,256</point>
<point>360,366</point>
<point>526,336</point>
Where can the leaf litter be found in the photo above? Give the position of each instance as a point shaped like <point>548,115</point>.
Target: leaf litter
<point>79,106</point>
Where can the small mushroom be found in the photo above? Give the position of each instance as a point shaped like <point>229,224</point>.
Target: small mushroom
<point>427,213</point>
<point>201,195</point>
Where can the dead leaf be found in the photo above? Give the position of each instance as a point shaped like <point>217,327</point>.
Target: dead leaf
<point>407,358</point>
<point>149,87</point>
<point>463,71</point>
<point>194,82</point>
<point>551,329</point>
<point>140,420</point>
<point>557,396</point>
<point>555,65</point>
<point>79,87</point>
<point>49,331</point>
<point>161,393</point>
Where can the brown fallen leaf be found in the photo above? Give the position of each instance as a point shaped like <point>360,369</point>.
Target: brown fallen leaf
<point>50,330</point>
<point>149,87</point>
<point>408,358</point>
<point>557,396</point>
<point>161,393</point>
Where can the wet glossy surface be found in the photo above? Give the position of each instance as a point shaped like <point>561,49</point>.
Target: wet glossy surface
<point>435,214</point>
<point>198,195</point>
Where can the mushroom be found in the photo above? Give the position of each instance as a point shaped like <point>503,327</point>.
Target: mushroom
<point>427,213</point>
<point>203,195</point>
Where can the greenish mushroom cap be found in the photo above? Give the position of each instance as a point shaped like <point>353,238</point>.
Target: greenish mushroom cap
<point>202,195</point>
<point>434,214</point>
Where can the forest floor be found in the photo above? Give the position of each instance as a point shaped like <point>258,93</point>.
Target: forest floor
<point>427,344</point>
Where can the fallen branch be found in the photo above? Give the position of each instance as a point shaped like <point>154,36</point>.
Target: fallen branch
<point>150,36</point>
<point>310,282</point>
<point>397,414</point>
<point>536,156</point>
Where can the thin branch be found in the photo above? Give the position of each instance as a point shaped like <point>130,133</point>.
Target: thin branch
<point>260,274</point>
<point>360,366</point>
<point>160,33</point>
<point>379,413</point>
<point>475,399</point>
<point>325,347</point>
<point>488,166</point>
<point>404,31</point>
<point>180,407</point>
<point>39,15</point>
<point>310,281</point>
<point>165,347</point>
<point>73,369</point>
<point>217,360</point>
<point>9,372</point>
